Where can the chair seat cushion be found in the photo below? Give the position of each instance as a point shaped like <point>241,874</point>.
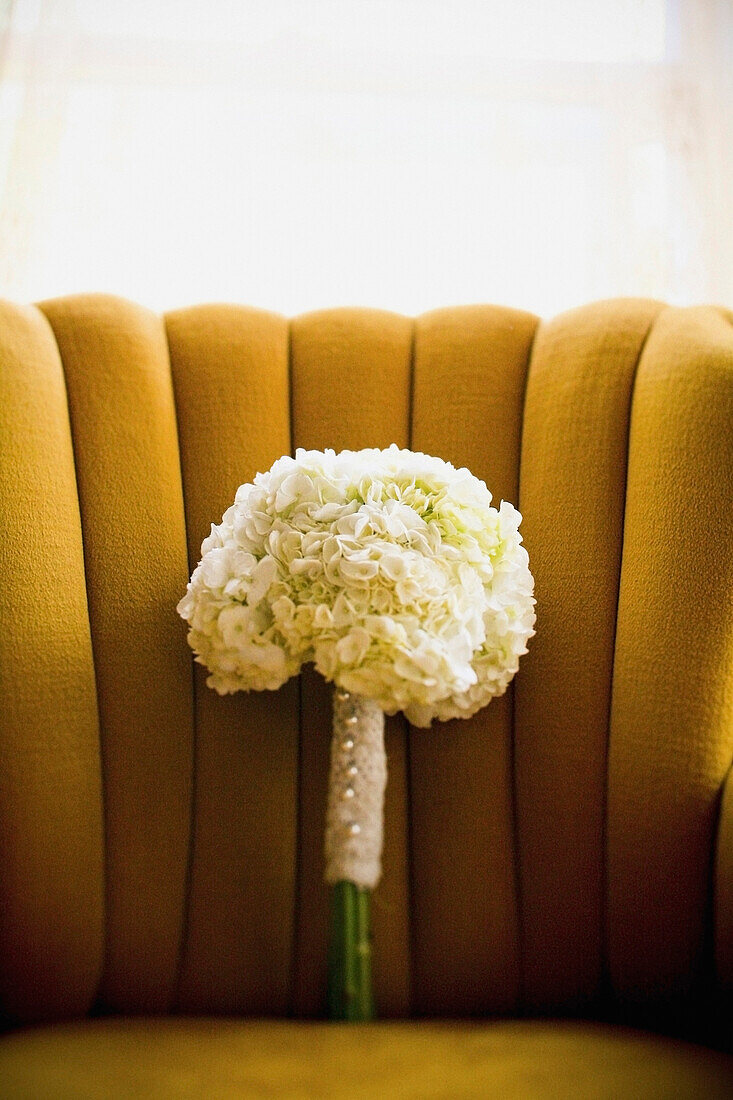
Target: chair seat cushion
<point>117,1059</point>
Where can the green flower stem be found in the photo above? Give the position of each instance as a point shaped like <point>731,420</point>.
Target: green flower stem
<point>350,954</point>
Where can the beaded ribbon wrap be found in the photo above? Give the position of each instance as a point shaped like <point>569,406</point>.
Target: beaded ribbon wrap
<point>356,792</point>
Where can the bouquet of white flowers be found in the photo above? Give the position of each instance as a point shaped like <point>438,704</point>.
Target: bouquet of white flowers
<point>392,573</point>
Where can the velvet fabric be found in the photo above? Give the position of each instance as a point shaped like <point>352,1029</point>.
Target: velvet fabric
<point>567,852</point>
<point>224,1059</point>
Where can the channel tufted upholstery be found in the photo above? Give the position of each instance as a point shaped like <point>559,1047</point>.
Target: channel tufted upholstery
<point>567,853</point>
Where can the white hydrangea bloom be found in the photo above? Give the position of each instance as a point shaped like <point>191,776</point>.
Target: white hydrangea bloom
<point>387,569</point>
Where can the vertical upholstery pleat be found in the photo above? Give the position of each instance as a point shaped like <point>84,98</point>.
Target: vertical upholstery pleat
<point>125,443</point>
<point>51,835</point>
<point>469,379</point>
<point>573,478</point>
<point>351,389</point>
<point>723,892</point>
<point>230,370</point>
<point>672,717</point>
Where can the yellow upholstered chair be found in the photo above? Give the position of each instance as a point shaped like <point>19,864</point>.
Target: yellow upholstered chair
<point>556,914</point>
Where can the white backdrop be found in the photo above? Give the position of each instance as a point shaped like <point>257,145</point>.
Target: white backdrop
<point>294,154</point>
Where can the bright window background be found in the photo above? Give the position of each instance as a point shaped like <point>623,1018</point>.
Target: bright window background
<point>294,154</point>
